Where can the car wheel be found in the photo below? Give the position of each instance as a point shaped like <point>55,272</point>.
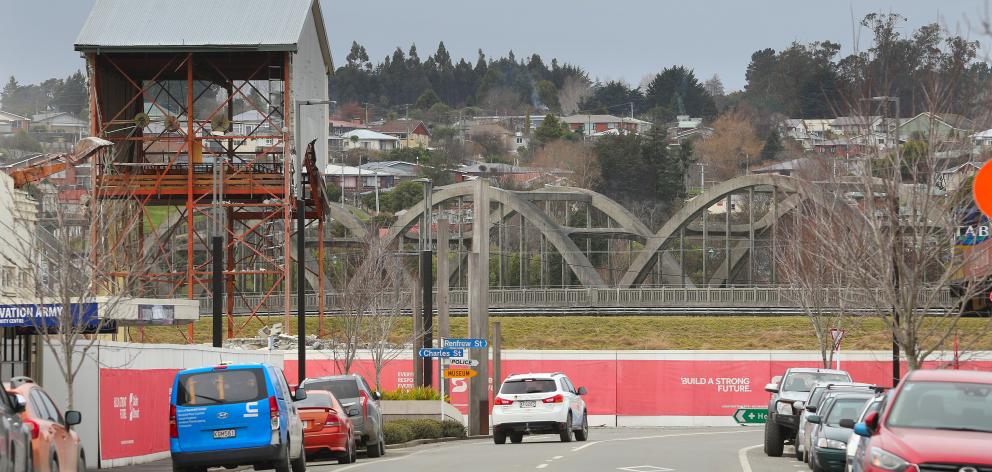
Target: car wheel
<point>53,464</point>
<point>774,444</point>
<point>282,464</point>
<point>382,443</point>
<point>300,463</point>
<point>499,437</point>
<point>377,449</point>
<point>516,438</point>
<point>800,456</point>
<point>81,462</point>
<point>566,433</point>
<point>348,456</point>
<point>816,465</point>
<point>583,433</point>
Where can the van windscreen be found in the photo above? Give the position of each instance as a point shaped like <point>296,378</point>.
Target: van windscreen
<point>220,387</point>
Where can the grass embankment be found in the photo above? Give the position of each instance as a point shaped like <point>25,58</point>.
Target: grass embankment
<point>635,332</point>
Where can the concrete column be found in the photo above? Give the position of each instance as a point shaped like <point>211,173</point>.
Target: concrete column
<point>497,356</point>
<point>478,319</point>
<point>444,325</point>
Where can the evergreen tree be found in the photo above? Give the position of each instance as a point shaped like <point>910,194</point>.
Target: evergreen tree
<point>773,146</point>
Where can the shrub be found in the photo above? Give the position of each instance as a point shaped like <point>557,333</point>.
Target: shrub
<point>397,432</point>
<point>452,429</point>
<point>426,429</point>
<point>418,393</point>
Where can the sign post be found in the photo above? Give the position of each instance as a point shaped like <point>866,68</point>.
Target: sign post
<point>751,416</point>
<point>836,334</point>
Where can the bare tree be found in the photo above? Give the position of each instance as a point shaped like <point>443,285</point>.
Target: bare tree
<point>384,313</point>
<point>576,158</point>
<point>726,152</point>
<point>573,90</point>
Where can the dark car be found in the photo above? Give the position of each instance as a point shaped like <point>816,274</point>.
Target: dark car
<point>816,397</point>
<point>829,445</point>
<point>789,397</point>
<point>935,420</point>
<point>15,434</point>
<point>362,405</point>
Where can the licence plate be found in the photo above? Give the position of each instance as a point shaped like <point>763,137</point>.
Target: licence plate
<point>528,403</point>
<point>223,433</point>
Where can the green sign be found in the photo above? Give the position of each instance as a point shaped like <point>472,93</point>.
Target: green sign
<point>751,415</point>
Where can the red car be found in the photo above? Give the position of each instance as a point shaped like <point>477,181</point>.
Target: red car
<point>326,426</point>
<point>936,420</point>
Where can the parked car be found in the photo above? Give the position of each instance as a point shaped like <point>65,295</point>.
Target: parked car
<point>788,398</point>
<point>829,445</point>
<point>362,405</point>
<point>539,404</point>
<point>326,426</point>
<point>935,420</point>
<point>56,446</point>
<point>816,396</point>
<point>855,442</point>
<point>230,415</point>
<point>15,434</point>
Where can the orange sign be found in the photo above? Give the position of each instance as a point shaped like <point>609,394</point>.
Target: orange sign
<point>459,373</point>
<point>982,189</point>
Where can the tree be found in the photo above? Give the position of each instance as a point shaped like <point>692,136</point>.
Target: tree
<point>725,152</point>
<point>427,100</point>
<point>773,146</point>
<point>612,95</point>
<point>72,95</point>
<point>550,129</point>
<point>21,140</point>
<point>714,86</point>
<point>676,91</point>
<point>573,90</point>
<point>401,197</point>
<point>575,158</point>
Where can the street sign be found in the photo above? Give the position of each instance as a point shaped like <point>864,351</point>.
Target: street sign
<point>459,373</point>
<point>751,416</point>
<point>837,335</point>
<point>467,343</point>
<point>463,362</point>
<point>435,352</point>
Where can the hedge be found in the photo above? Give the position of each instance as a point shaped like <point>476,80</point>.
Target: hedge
<point>401,431</point>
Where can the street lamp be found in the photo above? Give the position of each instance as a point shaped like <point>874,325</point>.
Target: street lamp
<point>897,250</point>
<point>427,280</point>
<point>301,300</point>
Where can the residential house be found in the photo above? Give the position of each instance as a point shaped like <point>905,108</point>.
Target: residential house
<point>854,125</point>
<point>11,123</point>
<point>488,132</point>
<point>946,127</point>
<point>953,178</point>
<point>20,213</point>
<point>507,174</point>
<point>339,127</point>
<point>591,124</point>
<point>355,179</point>
<point>982,138</point>
<point>397,171</point>
<point>365,139</point>
<point>60,122</point>
<point>411,133</point>
<point>808,132</point>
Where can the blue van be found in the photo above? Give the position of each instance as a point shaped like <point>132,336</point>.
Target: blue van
<point>231,415</point>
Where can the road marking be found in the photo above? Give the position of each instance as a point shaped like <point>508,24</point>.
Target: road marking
<point>541,466</point>
<point>557,457</point>
<point>379,461</point>
<point>742,455</point>
<point>593,443</point>
<point>645,468</point>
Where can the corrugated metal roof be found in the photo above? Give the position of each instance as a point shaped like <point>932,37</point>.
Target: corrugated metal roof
<point>271,25</point>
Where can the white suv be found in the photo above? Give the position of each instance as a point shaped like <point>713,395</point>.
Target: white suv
<point>539,404</point>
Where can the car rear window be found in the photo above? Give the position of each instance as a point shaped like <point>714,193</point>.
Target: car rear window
<point>342,389</point>
<point>315,400</point>
<point>845,409</point>
<point>516,387</point>
<point>220,387</point>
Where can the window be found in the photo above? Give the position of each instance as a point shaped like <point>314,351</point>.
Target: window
<point>9,276</point>
<point>315,399</point>
<point>520,140</point>
<point>221,387</point>
<point>343,389</point>
<point>522,386</point>
<point>56,415</point>
<point>365,144</point>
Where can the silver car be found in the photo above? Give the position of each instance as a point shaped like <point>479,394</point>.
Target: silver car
<point>15,436</point>
<point>362,406</point>
<point>816,397</point>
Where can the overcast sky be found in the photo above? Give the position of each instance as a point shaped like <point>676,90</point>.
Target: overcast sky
<point>611,40</point>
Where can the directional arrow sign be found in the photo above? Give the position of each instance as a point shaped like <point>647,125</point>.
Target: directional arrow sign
<point>460,373</point>
<point>751,416</point>
<point>434,352</point>
<point>463,362</point>
<point>467,343</point>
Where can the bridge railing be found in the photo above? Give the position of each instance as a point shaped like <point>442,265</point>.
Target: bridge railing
<point>670,297</point>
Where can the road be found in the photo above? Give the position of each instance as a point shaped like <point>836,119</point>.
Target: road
<point>624,449</point>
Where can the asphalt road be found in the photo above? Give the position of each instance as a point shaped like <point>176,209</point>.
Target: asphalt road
<point>624,449</point>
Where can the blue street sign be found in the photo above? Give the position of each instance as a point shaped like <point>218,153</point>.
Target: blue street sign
<point>467,343</point>
<point>434,352</point>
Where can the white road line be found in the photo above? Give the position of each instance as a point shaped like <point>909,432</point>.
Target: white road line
<point>557,457</point>
<point>742,455</point>
<point>593,443</point>
<point>398,458</point>
<point>541,466</point>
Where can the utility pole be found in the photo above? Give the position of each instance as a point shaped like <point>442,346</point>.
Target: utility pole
<point>444,325</point>
<point>478,317</point>
<point>427,284</point>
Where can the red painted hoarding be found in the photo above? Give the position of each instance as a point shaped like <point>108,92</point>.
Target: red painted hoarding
<point>134,412</point>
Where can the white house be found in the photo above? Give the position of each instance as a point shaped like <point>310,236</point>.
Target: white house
<point>11,123</point>
<point>16,239</point>
<point>368,140</point>
<point>982,138</point>
<point>62,122</point>
<point>590,124</point>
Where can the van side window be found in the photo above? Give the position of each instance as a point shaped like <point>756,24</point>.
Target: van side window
<point>284,385</point>
<point>38,405</point>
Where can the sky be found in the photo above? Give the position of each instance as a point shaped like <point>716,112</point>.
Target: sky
<point>628,40</point>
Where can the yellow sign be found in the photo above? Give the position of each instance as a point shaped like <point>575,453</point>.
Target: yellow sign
<point>459,373</point>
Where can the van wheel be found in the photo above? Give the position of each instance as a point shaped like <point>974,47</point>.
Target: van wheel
<point>566,433</point>
<point>300,463</point>
<point>774,444</point>
<point>378,449</point>
<point>583,433</point>
<point>499,437</point>
<point>282,463</point>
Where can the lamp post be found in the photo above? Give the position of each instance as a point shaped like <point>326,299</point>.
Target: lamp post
<point>427,281</point>
<point>897,246</point>
<point>301,300</point>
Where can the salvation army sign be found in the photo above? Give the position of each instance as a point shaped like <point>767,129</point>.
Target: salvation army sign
<point>29,315</point>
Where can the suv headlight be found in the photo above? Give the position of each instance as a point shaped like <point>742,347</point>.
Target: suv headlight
<point>825,443</point>
<point>784,408</point>
<point>886,460</point>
